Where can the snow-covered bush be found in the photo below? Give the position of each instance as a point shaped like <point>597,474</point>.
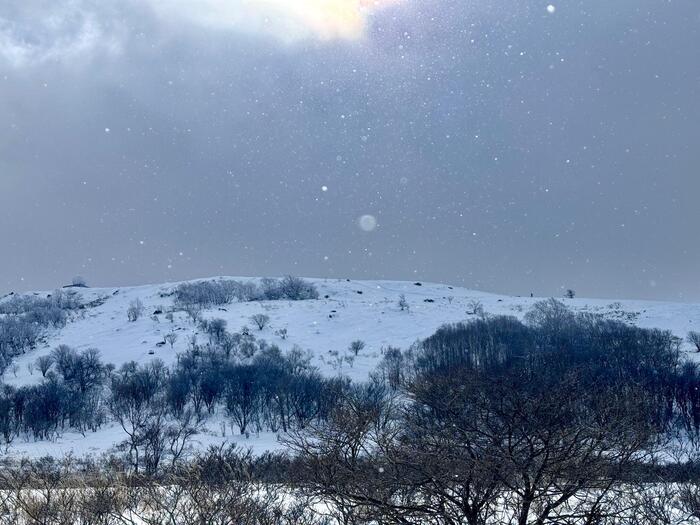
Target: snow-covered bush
<point>297,289</point>
<point>205,293</point>
<point>475,307</point>
<point>79,282</point>
<point>135,310</point>
<point>208,294</point>
<point>52,310</point>
<point>549,314</point>
<point>24,319</point>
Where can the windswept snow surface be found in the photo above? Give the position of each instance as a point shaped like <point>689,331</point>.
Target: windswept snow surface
<point>347,310</point>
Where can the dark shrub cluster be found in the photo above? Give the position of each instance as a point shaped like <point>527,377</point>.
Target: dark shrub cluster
<point>252,385</point>
<point>555,421</point>
<point>269,391</point>
<point>70,396</point>
<point>555,343</point>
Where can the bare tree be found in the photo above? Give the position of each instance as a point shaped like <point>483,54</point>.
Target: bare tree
<point>260,320</point>
<point>357,346</point>
<point>694,339</point>
<point>135,310</point>
<point>193,311</point>
<point>403,303</point>
<point>137,403</point>
<point>44,363</point>
<point>475,307</point>
<point>170,338</point>
<point>392,367</point>
<point>216,328</point>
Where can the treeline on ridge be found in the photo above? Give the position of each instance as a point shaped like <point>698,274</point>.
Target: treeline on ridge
<point>206,294</point>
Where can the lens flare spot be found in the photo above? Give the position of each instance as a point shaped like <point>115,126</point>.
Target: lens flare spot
<point>367,223</point>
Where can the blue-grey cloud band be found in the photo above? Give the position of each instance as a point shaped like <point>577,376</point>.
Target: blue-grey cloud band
<point>518,148</point>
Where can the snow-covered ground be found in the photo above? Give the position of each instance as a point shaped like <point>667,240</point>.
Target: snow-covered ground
<point>347,310</point>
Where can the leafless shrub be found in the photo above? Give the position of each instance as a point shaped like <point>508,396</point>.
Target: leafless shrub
<point>475,307</point>
<point>135,310</point>
<point>260,320</point>
<point>694,339</point>
<point>193,311</point>
<point>44,363</point>
<point>170,338</point>
<point>356,347</point>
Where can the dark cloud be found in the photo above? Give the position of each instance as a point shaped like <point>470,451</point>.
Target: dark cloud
<point>498,147</point>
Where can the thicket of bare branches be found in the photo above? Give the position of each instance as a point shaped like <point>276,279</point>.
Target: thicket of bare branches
<point>218,487</point>
<point>558,421</point>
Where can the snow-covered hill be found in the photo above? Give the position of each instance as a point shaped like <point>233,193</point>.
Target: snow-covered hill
<point>346,311</point>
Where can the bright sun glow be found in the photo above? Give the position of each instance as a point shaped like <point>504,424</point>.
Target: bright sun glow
<point>288,20</point>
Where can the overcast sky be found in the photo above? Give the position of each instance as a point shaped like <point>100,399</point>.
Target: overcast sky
<point>510,146</point>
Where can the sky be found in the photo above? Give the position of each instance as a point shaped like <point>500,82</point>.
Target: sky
<point>515,147</point>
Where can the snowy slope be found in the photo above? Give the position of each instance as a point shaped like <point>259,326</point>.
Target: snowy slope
<point>347,310</point>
